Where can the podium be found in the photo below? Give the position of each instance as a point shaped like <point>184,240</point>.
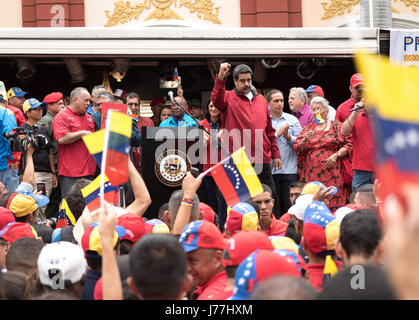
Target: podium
<point>167,154</point>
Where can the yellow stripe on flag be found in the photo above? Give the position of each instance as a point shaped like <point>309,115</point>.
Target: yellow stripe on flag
<point>390,88</point>
<point>94,142</point>
<point>247,172</point>
<point>94,185</point>
<point>69,214</point>
<point>121,124</point>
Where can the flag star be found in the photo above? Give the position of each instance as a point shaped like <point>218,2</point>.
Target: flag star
<point>241,281</point>
<point>412,137</point>
<point>399,139</point>
<point>249,265</point>
<point>246,273</point>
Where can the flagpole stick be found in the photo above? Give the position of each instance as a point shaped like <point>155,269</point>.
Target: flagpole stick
<point>104,154</point>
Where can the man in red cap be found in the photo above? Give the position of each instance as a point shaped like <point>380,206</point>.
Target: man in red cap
<point>317,91</point>
<point>55,103</point>
<point>355,87</point>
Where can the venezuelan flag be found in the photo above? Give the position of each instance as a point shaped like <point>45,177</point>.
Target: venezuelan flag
<point>236,178</point>
<point>94,143</point>
<point>116,168</point>
<point>175,76</point>
<point>318,119</point>
<point>391,92</point>
<point>91,193</point>
<point>65,216</point>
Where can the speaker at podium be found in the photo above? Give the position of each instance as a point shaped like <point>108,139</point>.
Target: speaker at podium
<point>166,155</point>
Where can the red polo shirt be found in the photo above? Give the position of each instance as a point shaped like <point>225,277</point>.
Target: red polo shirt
<point>277,227</point>
<point>315,274</point>
<point>342,112</point>
<point>363,144</point>
<point>74,160</point>
<point>215,288</point>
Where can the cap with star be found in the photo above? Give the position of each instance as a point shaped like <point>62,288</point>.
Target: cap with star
<point>321,229</point>
<point>259,266</point>
<point>201,234</point>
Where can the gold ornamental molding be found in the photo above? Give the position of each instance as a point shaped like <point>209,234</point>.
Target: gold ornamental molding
<point>124,11</point>
<point>335,8</point>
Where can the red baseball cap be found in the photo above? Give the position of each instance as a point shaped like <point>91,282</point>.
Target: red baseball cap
<point>242,244</point>
<point>17,230</point>
<point>315,88</point>
<point>53,97</point>
<point>357,79</point>
<point>201,234</point>
<point>6,216</point>
<point>133,224</point>
<point>207,212</point>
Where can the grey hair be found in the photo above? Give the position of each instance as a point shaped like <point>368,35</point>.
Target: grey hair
<point>301,93</point>
<point>109,97</point>
<point>241,69</point>
<point>97,88</point>
<point>174,205</point>
<point>77,92</point>
<point>320,100</point>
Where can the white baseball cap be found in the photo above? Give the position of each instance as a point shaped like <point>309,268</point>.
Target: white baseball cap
<point>61,261</point>
<point>300,206</point>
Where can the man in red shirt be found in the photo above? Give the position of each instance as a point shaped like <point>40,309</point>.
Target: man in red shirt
<point>247,122</point>
<point>267,221</point>
<point>355,87</point>
<point>204,245</point>
<point>69,126</point>
<point>359,125</point>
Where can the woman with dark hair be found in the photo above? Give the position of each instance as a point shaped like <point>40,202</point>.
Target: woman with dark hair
<point>212,124</point>
<point>164,112</point>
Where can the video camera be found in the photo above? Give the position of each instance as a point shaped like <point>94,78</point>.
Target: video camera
<point>33,135</point>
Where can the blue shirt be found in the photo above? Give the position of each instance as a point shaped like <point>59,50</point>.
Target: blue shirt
<point>186,121</point>
<point>288,155</point>
<point>7,123</point>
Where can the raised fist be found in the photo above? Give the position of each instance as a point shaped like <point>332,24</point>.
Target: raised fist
<point>224,69</point>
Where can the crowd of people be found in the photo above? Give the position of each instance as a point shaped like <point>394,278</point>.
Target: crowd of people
<point>318,215</point>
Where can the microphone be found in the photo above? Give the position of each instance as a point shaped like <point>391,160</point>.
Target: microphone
<point>170,94</point>
<point>357,107</point>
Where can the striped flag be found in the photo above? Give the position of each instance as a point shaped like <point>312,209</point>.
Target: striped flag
<point>91,193</point>
<point>391,92</point>
<point>65,216</point>
<point>236,178</point>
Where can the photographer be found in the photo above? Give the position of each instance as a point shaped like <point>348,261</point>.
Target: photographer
<point>38,136</point>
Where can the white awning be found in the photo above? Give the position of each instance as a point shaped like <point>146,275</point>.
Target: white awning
<point>179,42</point>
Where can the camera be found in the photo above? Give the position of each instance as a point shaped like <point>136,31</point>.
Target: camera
<point>36,136</point>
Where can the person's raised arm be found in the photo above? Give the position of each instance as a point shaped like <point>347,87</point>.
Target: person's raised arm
<point>348,124</point>
<point>141,194</point>
<point>189,186</point>
<point>111,279</point>
<point>218,93</point>
<point>28,174</point>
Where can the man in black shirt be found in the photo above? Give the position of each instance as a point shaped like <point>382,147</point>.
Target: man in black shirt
<point>43,156</point>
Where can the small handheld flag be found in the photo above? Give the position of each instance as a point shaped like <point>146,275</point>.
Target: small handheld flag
<point>175,77</point>
<point>236,178</point>
<point>91,193</point>
<point>318,119</point>
<point>65,216</point>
